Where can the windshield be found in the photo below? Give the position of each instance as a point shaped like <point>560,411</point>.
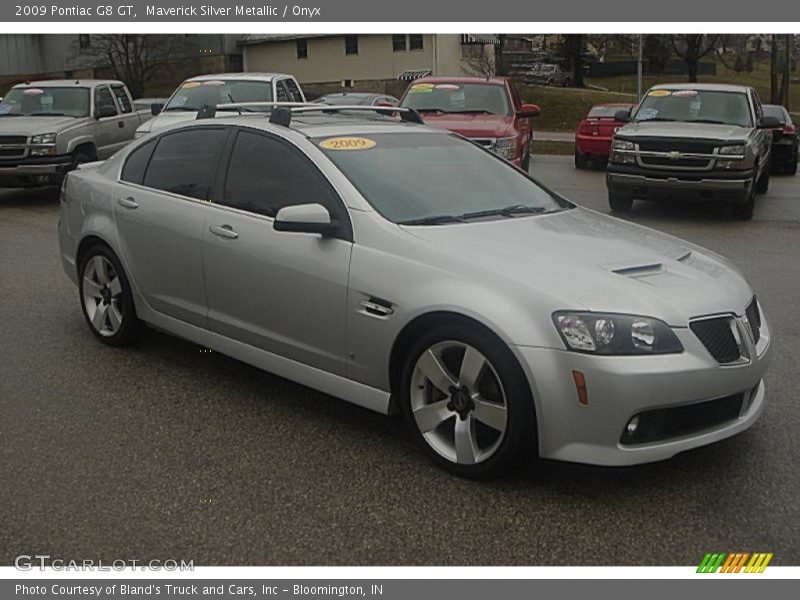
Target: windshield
<point>458,98</point>
<point>431,178</point>
<point>695,106</point>
<point>70,101</point>
<point>193,95</point>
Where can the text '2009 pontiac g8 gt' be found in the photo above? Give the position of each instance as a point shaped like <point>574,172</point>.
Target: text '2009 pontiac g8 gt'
<point>405,269</point>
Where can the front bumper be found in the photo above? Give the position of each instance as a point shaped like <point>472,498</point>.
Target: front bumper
<point>652,184</point>
<point>34,171</point>
<point>620,387</point>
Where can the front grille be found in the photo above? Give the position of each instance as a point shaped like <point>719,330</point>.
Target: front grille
<point>11,152</point>
<point>717,336</point>
<point>665,423</point>
<point>667,145</point>
<point>16,140</point>
<point>661,161</point>
<point>754,319</point>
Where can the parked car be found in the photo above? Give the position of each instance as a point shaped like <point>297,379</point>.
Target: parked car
<point>222,88</point>
<point>50,127</point>
<point>548,74</point>
<point>784,140</point>
<point>358,99</point>
<point>487,110</point>
<point>703,141</point>
<point>594,133</point>
<point>405,269</point>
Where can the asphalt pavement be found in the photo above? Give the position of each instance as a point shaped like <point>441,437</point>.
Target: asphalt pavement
<point>163,451</point>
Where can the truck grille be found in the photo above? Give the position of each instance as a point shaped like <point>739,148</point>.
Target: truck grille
<point>689,163</point>
<point>665,423</point>
<point>11,152</point>
<point>754,319</point>
<point>689,146</point>
<point>669,154</point>
<point>717,336</point>
<point>13,140</point>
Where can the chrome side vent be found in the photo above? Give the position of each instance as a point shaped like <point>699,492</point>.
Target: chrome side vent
<point>377,307</point>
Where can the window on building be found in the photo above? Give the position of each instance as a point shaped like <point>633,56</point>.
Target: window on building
<point>351,44</point>
<point>399,42</point>
<point>415,41</point>
<point>84,41</point>
<point>302,48</point>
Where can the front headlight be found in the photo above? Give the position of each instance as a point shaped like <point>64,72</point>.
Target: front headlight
<point>623,145</point>
<point>732,157</point>
<point>738,149</point>
<point>615,334</point>
<point>43,138</point>
<point>505,147</point>
<point>620,152</point>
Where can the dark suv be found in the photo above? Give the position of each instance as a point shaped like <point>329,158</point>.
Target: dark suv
<point>704,141</point>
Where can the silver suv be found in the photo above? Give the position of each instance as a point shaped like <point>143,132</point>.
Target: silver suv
<point>406,269</point>
<point>700,141</point>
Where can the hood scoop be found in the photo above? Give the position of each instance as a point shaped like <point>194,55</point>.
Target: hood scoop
<point>640,270</point>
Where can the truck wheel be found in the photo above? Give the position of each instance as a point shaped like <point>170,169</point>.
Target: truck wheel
<point>581,161</point>
<point>762,185</point>
<point>791,168</point>
<point>744,211</point>
<point>80,156</point>
<point>620,202</point>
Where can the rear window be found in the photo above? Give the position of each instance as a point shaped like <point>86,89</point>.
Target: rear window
<point>604,112</point>
<point>775,111</point>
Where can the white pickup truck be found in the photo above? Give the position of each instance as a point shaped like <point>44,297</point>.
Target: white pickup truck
<point>50,127</point>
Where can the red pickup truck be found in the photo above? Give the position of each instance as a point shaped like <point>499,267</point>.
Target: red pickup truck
<point>488,111</point>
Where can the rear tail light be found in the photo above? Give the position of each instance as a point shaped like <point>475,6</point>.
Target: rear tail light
<point>585,128</point>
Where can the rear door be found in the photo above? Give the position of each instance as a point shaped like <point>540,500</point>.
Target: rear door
<point>160,208</point>
<point>129,118</point>
<point>283,292</point>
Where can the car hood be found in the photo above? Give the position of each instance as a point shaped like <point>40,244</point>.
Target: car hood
<point>706,131</point>
<point>589,261</point>
<point>165,120</point>
<point>472,125</point>
<point>35,125</point>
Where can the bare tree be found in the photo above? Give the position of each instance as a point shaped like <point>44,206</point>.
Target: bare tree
<point>480,66</point>
<point>131,57</point>
<point>573,50</point>
<point>691,48</point>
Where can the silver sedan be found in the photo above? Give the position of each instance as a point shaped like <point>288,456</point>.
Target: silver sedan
<point>407,270</point>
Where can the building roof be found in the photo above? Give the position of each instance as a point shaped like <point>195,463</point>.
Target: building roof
<point>260,38</point>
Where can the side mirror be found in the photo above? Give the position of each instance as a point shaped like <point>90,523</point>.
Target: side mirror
<point>769,123</point>
<point>624,116</point>
<point>305,218</point>
<point>529,110</point>
<point>101,112</point>
<point>156,108</point>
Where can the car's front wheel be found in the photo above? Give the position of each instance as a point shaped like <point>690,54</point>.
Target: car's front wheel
<point>620,202</point>
<point>467,401</point>
<point>106,298</point>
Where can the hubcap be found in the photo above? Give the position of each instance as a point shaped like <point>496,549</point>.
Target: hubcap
<point>102,295</point>
<point>458,402</point>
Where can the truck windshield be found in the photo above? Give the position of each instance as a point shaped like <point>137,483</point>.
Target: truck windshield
<point>695,106</point>
<point>433,178</point>
<point>70,101</point>
<point>458,98</point>
<point>193,95</point>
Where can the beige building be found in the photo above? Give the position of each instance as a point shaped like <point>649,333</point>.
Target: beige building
<point>380,62</point>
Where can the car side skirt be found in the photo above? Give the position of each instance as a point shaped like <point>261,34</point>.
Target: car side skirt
<point>328,383</point>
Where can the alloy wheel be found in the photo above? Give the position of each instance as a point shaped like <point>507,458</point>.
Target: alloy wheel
<point>102,295</point>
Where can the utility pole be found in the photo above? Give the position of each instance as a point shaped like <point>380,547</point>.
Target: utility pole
<point>639,70</point>
<point>787,69</point>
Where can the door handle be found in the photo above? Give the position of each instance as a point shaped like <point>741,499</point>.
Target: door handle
<point>224,231</point>
<point>128,202</point>
<point>121,124</point>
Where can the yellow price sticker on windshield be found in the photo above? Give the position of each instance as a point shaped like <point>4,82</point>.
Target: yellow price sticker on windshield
<point>659,93</point>
<point>191,84</point>
<point>347,143</point>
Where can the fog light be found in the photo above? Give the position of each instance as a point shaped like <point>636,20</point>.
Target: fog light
<point>633,425</point>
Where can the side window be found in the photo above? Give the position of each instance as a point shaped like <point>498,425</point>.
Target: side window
<point>122,98</point>
<point>266,174</point>
<point>185,162</point>
<point>136,163</point>
<point>294,90</point>
<point>281,93</point>
<point>757,105</point>
<point>104,101</point>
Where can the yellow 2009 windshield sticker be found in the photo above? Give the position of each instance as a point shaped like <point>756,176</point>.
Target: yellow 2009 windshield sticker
<point>347,143</point>
<point>191,84</point>
<point>659,93</point>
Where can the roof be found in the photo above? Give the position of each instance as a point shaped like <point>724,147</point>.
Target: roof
<point>354,94</point>
<point>261,38</point>
<point>242,76</point>
<point>708,87</point>
<point>69,82</point>
<point>463,79</point>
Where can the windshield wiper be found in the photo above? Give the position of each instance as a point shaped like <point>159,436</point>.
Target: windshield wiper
<point>711,121</point>
<point>11,115</point>
<point>476,111</point>
<point>433,220</point>
<point>506,211</point>
<point>662,119</point>
<point>183,108</point>
<point>433,110</point>
<point>47,114</point>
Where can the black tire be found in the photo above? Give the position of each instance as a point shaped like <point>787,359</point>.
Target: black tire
<point>517,445</point>
<point>762,185</point>
<point>525,164</point>
<point>744,211</point>
<point>80,156</point>
<point>581,162</point>
<point>791,168</point>
<point>620,202</point>
<point>129,328</point>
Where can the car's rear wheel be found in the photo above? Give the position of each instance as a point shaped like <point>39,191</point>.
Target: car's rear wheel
<point>467,401</point>
<point>581,162</point>
<point>620,202</point>
<point>106,298</point>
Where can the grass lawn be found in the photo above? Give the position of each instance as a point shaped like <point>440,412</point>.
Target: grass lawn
<point>563,108</point>
<point>543,147</point>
